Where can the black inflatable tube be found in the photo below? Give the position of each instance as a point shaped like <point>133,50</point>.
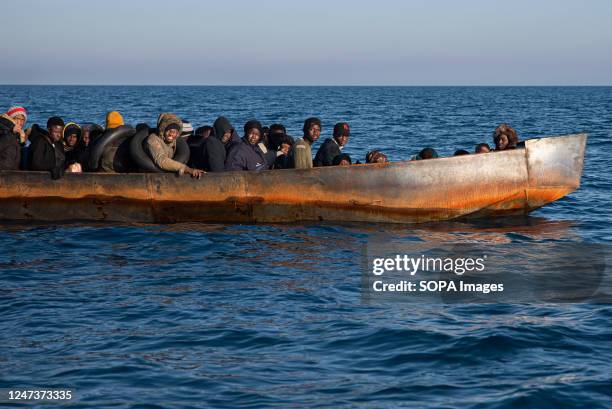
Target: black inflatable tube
<point>142,159</point>
<point>108,138</point>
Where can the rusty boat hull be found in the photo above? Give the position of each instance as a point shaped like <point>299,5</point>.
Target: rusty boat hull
<point>485,185</point>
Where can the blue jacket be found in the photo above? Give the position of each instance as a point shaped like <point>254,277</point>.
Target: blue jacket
<point>244,156</point>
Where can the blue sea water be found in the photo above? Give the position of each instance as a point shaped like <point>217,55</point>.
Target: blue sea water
<point>272,315</point>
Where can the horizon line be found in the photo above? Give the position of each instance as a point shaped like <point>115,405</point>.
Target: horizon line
<point>306,85</point>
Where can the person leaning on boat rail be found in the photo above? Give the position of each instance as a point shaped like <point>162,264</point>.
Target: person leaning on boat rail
<point>332,147</point>
<point>247,155</point>
<point>505,137</point>
<point>300,156</point>
<point>161,146</point>
<point>12,137</point>
<point>46,152</point>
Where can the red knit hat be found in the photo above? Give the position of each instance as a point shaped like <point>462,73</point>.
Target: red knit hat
<point>14,111</point>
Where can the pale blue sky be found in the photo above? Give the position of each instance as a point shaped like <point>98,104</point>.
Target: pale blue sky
<point>267,42</point>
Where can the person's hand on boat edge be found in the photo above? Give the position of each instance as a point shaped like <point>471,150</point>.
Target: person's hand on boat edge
<point>195,173</point>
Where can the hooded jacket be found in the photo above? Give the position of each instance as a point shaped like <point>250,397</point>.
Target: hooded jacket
<point>161,152</point>
<point>244,156</point>
<point>10,149</point>
<point>45,154</point>
<point>78,153</point>
<point>214,151</point>
<point>327,152</point>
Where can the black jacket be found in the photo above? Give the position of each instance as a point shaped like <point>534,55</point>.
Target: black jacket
<point>213,155</point>
<point>10,149</point>
<point>244,156</point>
<point>326,153</point>
<point>45,155</point>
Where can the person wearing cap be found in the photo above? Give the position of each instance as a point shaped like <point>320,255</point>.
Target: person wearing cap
<point>187,131</point>
<point>301,151</point>
<point>331,147</point>
<point>247,155</point>
<point>161,146</point>
<point>113,120</point>
<point>12,136</point>
<point>47,151</point>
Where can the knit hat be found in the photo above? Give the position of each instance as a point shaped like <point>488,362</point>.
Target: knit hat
<point>55,121</point>
<point>113,120</point>
<point>310,122</point>
<point>342,129</point>
<point>253,124</point>
<point>187,129</point>
<point>174,126</point>
<point>17,110</point>
<point>72,128</point>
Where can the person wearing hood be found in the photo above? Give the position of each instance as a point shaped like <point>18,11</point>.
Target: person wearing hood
<point>74,147</point>
<point>47,151</point>
<point>331,147</point>
<point>301,152</point>
<point>114,120</point>
<point>161,146</point>
<point>12,136</point>
<point>247,155</point>
<point>214,148</point>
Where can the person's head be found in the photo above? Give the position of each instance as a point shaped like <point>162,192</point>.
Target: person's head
<point>376,157</point>
<point>141,127</point>
<point>55,126</point>
<point>312,129</point>
<point>277,129</point>
<point>252,132</point>
<point>482,148</point>
<point>342,133</point>
<point>113,120</point>
<point>203,132</point>
<point>505,137</point>
<point>72,134</point>
<point>223,129</point>
<point>85,138</point>
<point>169,127</point>
<point>89,132</point>
<point>277,135</point>
<point>187,131</point>
<point>342,160</point>
<point>18,114</point>
<point>427,153</point>
<point>461,152</point>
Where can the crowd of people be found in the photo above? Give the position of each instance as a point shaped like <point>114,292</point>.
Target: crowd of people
<point>65,147</point>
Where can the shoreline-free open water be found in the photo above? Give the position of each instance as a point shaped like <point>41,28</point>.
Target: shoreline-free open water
<point>272,315</point>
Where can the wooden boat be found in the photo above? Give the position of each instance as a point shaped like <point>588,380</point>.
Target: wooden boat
<point>500,183</point>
